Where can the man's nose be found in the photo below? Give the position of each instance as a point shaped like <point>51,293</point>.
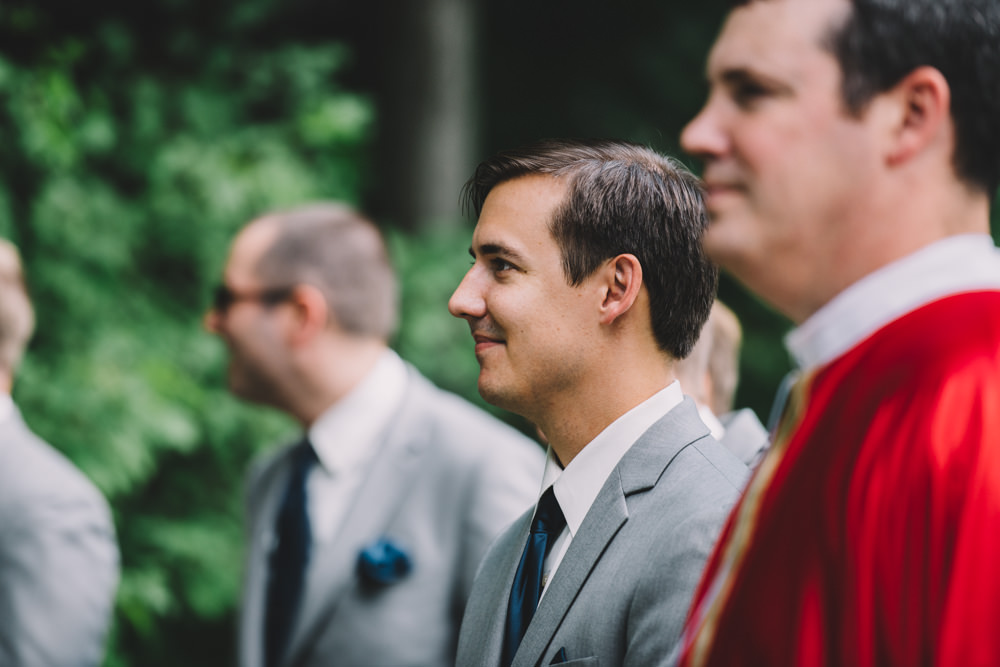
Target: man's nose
<point>467,301</point>
<point>702,137</point>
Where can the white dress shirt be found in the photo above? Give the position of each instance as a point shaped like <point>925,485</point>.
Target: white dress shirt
<point>345,438</point>
<point>6,407</point>
<point>954,265</point>
<point>576,487</point>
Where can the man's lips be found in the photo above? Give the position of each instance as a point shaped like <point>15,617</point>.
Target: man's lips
<point>717,188</point>
<point>718,193</point>
<point>485,341</point>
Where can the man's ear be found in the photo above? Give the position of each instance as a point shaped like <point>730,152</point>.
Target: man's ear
<point>923,103</point>
<point>623,281</point>
<point>309,313</point>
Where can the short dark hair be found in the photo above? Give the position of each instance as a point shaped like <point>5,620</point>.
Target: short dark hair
<point>882,41</point>
<point>334,248</point>
<point>622,198</point>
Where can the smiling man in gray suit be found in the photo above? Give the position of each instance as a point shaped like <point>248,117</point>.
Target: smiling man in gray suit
<point>58,554</point>
<point>588,282</point>
<point>364,537</point>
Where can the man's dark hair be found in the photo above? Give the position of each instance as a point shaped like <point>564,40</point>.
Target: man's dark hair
<point>332,247</point>
<point>884,40</point>
<point>622,198</point>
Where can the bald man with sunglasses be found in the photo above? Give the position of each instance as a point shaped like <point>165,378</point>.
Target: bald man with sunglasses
<point>364,535</point>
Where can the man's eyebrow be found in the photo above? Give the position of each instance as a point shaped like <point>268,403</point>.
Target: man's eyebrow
<point>497,249</point>
<point>737,76</point>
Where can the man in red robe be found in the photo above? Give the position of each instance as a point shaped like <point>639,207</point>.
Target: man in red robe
<point>851,152</point>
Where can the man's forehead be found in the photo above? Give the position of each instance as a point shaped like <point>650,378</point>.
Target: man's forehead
<point>493,237</point>
<point>250,244</point>
<point>520,207</point>
<point>528,191</point>
<point>773,35</point>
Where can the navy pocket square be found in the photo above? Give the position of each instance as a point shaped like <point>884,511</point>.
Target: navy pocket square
<point>384,562</point>
<point>559,657</point>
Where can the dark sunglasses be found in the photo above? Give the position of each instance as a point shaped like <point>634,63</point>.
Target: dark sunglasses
<point>223,296</point>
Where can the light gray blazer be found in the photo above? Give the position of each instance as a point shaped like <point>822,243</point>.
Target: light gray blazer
<point>59,564</point>
<point>622,590</point>
<point>447,480</point>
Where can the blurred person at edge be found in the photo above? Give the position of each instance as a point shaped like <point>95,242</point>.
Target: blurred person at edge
<point>851,150</point>
<point>59,561</point>
<point>710,374</point>
<point>364,536</point>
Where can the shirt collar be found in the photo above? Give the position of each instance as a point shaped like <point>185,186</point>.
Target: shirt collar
<point>6,407</point>
<point>953,265</point>
<point>708,418</point>
<point>576,487</point>
<point>344,436</point>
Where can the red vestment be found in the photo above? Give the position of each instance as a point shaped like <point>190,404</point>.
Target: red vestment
<point>873,534</point>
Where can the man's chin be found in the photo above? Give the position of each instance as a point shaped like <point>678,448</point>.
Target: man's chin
<point>245,390</point>
<point>497,395</point>
<point>723,243</point>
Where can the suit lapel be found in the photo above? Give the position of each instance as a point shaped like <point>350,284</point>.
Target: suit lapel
<point>638,471</point>
<point>267,491</point>
<point>487,609</point>
<point>388,480</point>
<point>605,518</point>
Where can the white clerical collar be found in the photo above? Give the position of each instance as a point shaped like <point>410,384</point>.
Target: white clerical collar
<point>954,265</point>
<point>345,435</point>
<point>578,484</point>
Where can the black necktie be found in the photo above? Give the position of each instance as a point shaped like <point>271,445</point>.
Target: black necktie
<point>527,589</point>
<point>290,556</point>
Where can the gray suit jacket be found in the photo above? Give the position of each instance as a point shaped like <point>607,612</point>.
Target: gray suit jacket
<point>58,556</point>
<point>622,590</point>
<point>447,480</point>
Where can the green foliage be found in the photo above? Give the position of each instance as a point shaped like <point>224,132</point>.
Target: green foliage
<point>123,184</point>
<point>430,267</point>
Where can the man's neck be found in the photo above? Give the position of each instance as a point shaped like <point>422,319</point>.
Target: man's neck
<point>577,420</point>
<point>870,241</point>
<point>330,375</point>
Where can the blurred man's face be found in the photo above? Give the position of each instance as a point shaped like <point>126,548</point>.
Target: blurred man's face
<point>533,331</point>
<point>246,319</point>
<point>782,158</point>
